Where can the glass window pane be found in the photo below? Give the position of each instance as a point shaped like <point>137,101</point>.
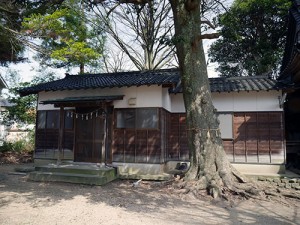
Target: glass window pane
<point>41,120</point>
<point>52,120</point>
<point>226,125</point>
<point>126,118</point>
<point>68,120</point>
<point>146,118</point>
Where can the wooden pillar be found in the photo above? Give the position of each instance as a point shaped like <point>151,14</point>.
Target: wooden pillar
<point>105,135</point>
<point>61,132</point>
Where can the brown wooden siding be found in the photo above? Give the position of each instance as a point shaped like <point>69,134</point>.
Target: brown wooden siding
<point>46,143</point>
<point>137,145</point>
<point>258,138</point>
<point>177,147</point>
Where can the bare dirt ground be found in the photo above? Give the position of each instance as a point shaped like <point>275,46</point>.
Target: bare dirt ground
<point>26,202</point>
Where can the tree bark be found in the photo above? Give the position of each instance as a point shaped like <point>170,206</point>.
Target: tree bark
<point>81,68</point>
<point>210,166</point>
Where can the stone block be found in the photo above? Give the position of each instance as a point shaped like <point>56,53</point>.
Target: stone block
<point>261,179</point>
<point>294,180</point>
<point>284,180</point>
<point>277,180</point>
<point>288,185</point>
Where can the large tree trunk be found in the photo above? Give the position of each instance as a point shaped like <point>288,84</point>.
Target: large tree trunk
<point>209,164</point>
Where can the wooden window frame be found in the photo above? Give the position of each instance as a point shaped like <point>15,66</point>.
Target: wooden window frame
<point>135,110</point>
<point>224,134</point>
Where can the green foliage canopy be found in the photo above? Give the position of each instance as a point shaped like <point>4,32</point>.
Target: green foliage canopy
<point>23,109</point>
<point>253,37</point>
<point>10,47</point>
<point>68,38</point>
<point>12,12</point>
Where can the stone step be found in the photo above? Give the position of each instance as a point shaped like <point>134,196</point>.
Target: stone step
<point>78,169</point>
<point>157,177</point>
<point>89,179</point>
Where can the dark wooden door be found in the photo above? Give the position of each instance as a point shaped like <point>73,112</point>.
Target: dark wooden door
<point>90,134</point>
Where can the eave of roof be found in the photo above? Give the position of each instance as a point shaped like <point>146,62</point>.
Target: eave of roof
<point>292,48</point>
<point>107,80</point>
<point>169,78</point>
<point>86,100</point>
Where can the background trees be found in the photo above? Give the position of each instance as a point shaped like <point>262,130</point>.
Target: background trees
<point>23,110</point>
<point>67,37</point>
<point>12,12</point>
<point>252,37</point>
<point>142,32</point>
<point>10,48</point>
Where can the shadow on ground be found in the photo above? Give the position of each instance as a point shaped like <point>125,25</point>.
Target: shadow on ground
<point>149,199</point>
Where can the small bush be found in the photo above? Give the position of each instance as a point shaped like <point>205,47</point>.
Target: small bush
<point>25,145</point>
<point>6,147</point>
<point>21,146</point>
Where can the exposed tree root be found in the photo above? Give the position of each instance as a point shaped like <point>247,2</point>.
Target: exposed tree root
<point>211,170</point>
<point>281,192</point>
<point>239,186</point>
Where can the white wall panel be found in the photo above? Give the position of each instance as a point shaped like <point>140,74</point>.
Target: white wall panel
<point>237,101</point>
<point>177,103</point>
<point>145,96</point>
<point>224,101</point>
<point>156,96</point>
<point>166,99</point>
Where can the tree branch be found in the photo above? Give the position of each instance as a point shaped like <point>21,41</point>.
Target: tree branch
<point>3,9</point>
<point>207,22</point>
<point>123,1</point>
<point>112,9</point>
<point>208,36</point>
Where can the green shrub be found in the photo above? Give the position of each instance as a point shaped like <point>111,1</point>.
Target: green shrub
<point>25,145</point>
<point>6,147</point>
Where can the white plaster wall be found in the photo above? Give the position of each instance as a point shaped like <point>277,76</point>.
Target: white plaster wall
<point>177,103</point>
<point>166,99</point>
<point>237,101</point>
<point>145,96</point>
<point>156,96</point>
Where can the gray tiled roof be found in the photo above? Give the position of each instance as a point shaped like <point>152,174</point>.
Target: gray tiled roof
<point>121,79</point>
<point>235,84</point>
<point>168,78</point>
<point>256,83</point>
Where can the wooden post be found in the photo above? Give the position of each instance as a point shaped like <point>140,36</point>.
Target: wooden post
<point>61,132</point>
<point>104,143</point>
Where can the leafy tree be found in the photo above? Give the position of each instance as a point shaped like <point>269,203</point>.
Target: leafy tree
<point>67,39</point>
<point>12,12</point>
<point>252,37</point>
<point>10,48</point>
<point>23,109</point>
